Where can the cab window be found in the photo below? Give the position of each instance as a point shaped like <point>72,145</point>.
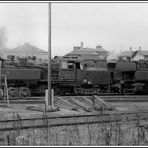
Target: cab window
<point>64,65</point>
<point>70,65</point>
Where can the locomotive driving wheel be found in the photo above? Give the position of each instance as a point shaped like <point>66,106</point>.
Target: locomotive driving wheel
<point>12,92</point>
<point>24,92</point>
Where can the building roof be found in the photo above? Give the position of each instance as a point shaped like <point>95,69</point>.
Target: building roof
<point>81,51</point>
<point>126,54</point>
<point>144,52</point>
<point>27,48</point>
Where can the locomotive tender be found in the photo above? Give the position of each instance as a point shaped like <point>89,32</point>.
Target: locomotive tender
<point>75,76</point>
<point>23,78</point>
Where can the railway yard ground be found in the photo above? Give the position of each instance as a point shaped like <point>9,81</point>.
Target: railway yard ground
<point>77,120</point>
<point>69,105</point>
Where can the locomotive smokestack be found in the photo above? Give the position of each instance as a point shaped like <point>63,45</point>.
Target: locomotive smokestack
<point>139,48</point>
<point>130,48</point>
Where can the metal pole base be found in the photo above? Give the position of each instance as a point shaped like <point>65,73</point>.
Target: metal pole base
<point>43,108</point>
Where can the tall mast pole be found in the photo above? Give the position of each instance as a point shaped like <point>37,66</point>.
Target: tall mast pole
<point>49,59</point>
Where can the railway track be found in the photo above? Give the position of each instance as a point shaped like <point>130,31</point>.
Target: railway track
<point>110,98</point>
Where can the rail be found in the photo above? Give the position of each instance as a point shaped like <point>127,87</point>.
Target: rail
<point>56,120</point>
<point>125,98</point>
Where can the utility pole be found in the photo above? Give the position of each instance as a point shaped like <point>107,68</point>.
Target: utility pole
<point>49,59</point>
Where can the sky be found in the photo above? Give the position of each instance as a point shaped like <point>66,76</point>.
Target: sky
<point>114,26</point>
<point>25,22</point>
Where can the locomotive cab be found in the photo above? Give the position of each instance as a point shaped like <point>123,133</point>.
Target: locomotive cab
<point>71,63</point>
<point>67,79</point>
<point>69,67</point>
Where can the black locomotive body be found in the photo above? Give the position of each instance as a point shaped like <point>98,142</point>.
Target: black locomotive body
<point>75,76</point>
<point>130,77</point>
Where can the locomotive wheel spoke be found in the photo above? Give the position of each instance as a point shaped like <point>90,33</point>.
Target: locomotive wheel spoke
<point>12,92</point>
<point>24,92</point>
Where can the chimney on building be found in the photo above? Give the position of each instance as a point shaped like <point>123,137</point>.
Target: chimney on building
<point>98,46</point>
<point>81,45</point>
<point>76,47</point>
<point>130,48</point>
<point>139,48</point>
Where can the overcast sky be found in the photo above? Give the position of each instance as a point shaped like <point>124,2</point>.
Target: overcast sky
<point>25,22</point>
<point>115,26</point>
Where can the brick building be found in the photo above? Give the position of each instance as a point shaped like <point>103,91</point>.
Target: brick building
<point>86,53</point>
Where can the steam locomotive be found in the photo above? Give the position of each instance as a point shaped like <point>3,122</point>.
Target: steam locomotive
<point>74,76</point>
<point>82,77</point>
